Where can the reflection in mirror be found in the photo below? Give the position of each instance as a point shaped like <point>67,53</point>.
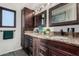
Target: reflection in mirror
<point>64,13</point>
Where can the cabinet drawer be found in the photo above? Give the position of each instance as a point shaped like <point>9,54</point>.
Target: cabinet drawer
<point>45,53</point>
<point>40,54</point>
<point>67,48</point>
<point>44,49</point>
<point>58,52</point>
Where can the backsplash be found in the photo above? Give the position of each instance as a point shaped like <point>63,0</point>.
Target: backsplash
<point>64,28</point>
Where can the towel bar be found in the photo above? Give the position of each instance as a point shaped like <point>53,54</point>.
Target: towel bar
<point>7,30</point>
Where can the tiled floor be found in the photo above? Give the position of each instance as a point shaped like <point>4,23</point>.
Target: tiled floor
<point>16,53</point>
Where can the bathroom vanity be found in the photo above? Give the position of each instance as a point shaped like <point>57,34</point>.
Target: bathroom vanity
<point>44,45</point>
<point>65,41</point>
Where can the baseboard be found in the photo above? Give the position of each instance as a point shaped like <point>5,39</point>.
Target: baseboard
<point>11,50</point>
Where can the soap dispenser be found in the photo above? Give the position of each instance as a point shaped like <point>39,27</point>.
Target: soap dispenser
<point>73,32</point>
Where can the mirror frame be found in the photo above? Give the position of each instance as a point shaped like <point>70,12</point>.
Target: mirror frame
<point>74,22</point>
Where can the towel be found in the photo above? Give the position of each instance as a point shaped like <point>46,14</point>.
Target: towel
<point>7,35</point>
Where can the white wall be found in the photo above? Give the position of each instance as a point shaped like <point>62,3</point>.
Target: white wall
<point>58,28</point>
<point>15,43</point>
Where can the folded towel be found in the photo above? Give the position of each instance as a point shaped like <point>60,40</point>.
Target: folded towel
<point>7,35</point>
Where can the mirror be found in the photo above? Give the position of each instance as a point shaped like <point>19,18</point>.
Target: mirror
<point>62,14</point>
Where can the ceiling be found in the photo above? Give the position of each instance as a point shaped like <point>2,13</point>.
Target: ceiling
<point>34,5</point>
<point>21,5</point>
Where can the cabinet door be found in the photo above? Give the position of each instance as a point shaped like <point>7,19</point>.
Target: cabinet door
<point>43,50</point>
<point>54,48</point>
<point>40,19</point>
<point>36,43</point>
<point>27,23</point>
<point>27,19</point>
<point>58,52</point>
<point>61,48</point>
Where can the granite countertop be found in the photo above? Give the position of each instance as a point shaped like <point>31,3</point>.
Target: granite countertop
<point>64,39</point>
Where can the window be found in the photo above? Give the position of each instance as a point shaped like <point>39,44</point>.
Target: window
<point>7,17</point>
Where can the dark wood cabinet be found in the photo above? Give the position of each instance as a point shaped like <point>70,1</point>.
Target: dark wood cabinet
<point>28,44</point>
<point>27,19</point>
<point>43,50</point>
<point>44,47</point>
<point>27,24</point>
<point>35,46</point>
<point>67,49</point>
<point>56,48</point>
<point>37,21</point>
<point>40,19</point>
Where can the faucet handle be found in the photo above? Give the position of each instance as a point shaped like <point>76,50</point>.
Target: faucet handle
<point>73,29</point>
<point>68,29</point>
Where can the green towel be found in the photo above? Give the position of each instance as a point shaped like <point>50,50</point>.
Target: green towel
<point>7,35</point>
